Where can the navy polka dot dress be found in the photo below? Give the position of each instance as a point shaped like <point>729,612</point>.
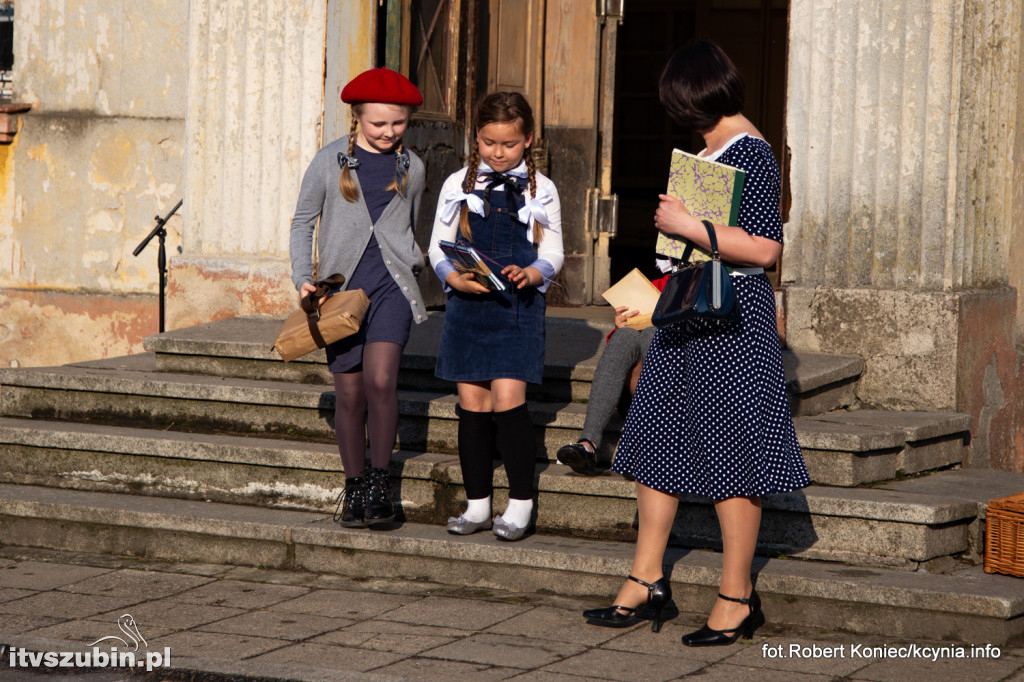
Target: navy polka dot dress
<point>710,416</point>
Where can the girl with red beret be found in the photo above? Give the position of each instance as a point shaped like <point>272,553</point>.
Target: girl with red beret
<point>365,188</point>
<point>492,342</point>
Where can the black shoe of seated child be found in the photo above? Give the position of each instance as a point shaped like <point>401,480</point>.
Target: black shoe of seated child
<point>578,458</point>
<point>380,508</point>
<point>351,509</point>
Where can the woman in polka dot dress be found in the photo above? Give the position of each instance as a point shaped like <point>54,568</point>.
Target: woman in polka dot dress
<point>710,416</point>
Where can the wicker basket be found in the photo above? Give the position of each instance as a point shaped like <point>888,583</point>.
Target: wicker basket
<point>1004,536</point>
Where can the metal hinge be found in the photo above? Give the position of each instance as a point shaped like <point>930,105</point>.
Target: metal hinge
<point>610,9</point>
<point>602,214</point>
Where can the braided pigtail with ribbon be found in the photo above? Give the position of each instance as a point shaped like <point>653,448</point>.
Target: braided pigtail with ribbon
<point>401,180</point>
<point>348,163</point>
<point>468,185</point>
<point>531,175</point>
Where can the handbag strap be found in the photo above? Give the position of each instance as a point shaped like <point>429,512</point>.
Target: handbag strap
<point>713,239</point>
<point>311,305</point>
<point>688,251</point>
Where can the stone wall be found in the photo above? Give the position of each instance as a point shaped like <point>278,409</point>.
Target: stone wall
<point>256,108</point>
<point>99,154</point>
<point>902,121</point>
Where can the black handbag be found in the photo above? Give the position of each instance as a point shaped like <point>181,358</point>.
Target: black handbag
<point>698,290</point>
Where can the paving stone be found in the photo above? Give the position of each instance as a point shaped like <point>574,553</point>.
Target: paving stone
<point>264,575</point>
<point>90,631</point>
<point>216,645</point>
<point>35,575</point>
<point>242,595</point>
<point>506,651</point>
<point>18,624</point>
<point>395,628</point>
<point>174,614</point>
<point>926,670</point>
<point>544,676</point>
<point>328,656</point>
<point>558,625</point>
<point>727,672</point>
<point>135,583</point>
<point>399,643</point>
<point>449,612</point>
<point>625,666</point>
<point>278,625</point>
<point>11,593</point>
<point>63,605</point>
<point>640,640</point>
<point>343,604</point>
<point>431,670</point>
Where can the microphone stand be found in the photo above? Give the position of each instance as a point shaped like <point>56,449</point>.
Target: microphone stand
<point>161,254</point>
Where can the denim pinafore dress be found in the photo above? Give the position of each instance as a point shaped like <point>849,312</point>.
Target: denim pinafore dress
<point>499,334</point>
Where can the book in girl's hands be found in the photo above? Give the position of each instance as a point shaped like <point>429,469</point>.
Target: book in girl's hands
<point>465,258</point>
<point>711,191</point>
<point>636,293</point>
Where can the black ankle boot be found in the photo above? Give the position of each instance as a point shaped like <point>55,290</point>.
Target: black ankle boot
<point>351,509</point>
<point>380,508</point>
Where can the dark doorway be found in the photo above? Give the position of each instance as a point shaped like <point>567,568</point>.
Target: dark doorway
<point>752,32</point>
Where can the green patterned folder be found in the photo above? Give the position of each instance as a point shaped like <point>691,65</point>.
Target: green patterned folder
<point>711,191</point>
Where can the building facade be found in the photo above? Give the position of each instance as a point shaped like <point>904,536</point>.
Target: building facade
<point>899,128</point>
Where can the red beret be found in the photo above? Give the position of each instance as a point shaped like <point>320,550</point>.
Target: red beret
<point>382,85</point>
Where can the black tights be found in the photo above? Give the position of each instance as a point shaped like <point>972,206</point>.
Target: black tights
<point>366,403</point>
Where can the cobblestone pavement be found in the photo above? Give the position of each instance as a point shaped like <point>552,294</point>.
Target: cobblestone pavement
<point>218,622</point>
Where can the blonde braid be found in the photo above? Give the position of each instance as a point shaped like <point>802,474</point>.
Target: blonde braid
<point>531,174</point>
<point>395,186</point>
<point>468,185</point>
<point>346,184</point>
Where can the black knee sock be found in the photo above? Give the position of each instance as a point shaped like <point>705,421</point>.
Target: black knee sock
<point>476,452</point>
<point>517,444</point>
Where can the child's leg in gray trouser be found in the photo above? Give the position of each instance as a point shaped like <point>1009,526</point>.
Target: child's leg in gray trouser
<point>625,349</point>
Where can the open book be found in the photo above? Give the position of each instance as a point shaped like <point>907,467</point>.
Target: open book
<point>465,258</point>
<point>635,292</point>
<point>711,190</point>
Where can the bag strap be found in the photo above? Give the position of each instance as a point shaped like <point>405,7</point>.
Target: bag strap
<point>688,251</point>
<point>713,239</point>
<point>311,305</point>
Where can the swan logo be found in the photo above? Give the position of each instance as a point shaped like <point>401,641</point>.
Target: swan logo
<point>127,625</point>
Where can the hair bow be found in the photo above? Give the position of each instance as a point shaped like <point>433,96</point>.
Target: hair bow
<point>401,165</point>
<point>453,200</point>
<point>346,160</point>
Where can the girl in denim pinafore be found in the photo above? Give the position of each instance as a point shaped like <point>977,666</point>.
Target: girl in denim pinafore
<point>492,343</point>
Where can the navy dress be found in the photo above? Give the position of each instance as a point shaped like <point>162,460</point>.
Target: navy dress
<point>498,334</point>
<point>389,317</point>
<point>710,416</point>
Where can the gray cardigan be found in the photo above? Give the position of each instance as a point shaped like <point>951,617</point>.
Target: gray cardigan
<point>345,227</point>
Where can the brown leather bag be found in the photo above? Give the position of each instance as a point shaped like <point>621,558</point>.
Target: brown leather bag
<point>326,316</point>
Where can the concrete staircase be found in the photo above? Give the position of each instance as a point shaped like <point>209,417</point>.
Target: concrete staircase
<point>210,448</point>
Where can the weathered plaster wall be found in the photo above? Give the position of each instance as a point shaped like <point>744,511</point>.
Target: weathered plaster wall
<point>98,156</point>
<point>255,111</point>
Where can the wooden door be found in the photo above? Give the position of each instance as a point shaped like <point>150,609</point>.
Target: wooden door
<point>752,33</point>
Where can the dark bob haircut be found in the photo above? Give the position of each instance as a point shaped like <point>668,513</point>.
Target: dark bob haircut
<point>700,85</point>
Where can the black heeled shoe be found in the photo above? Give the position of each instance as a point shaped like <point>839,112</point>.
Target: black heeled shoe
<point>708,637</point>
<point>659,593</point>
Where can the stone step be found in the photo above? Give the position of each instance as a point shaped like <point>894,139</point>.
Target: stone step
<point>966,605</point>
<point>850,448</point>
<point>129,391</point>
<point>858,526</point>
<point>242,347</point>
